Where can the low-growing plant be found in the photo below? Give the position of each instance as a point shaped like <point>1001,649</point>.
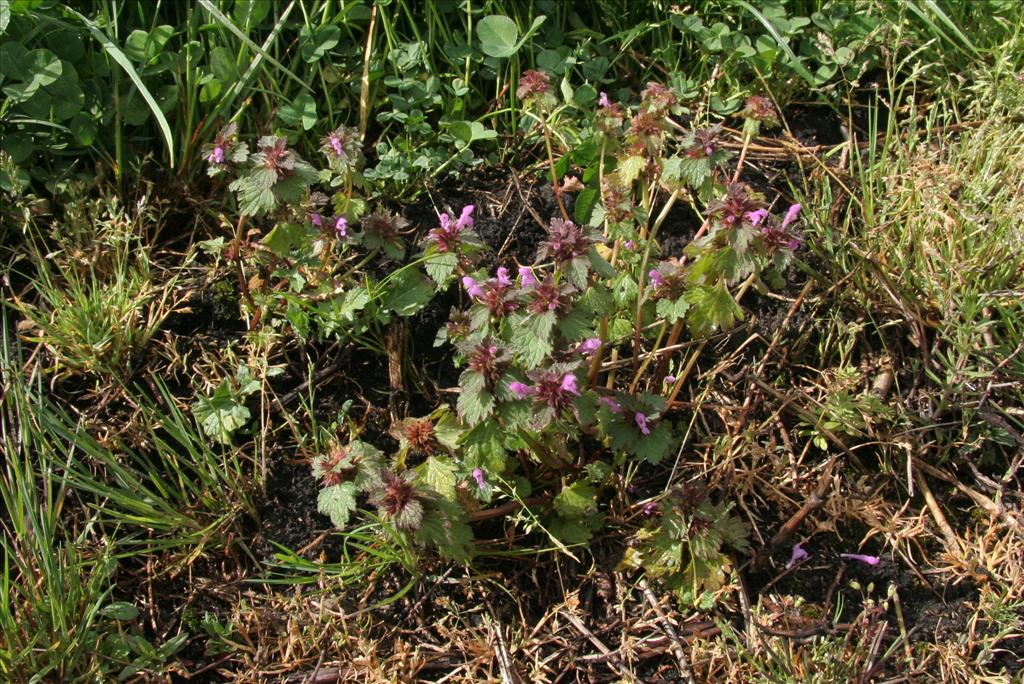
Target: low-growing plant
<point>542,419</point>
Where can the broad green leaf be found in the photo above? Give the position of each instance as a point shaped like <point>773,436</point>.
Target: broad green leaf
<point>337,501</point>
<point>475,401</point>
<point>438,473</point>
<point>712,308</point>
<point>498,35</point>
<point>249,14</point>
<point>408,291</point>
<point>122,60</point>
<point>318,42</point>
<point>300,110</point>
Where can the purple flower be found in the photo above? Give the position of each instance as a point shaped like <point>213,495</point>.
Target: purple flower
<point>791,215</point>
<point>641,422</point>
<point>569,384</point>
<point>472,287</point>
<point>709,150</point>
<point>478,475</point>
<point>669,380</point>
<point>798,555</point>
<point>629,244</point>
<point>341,226</point>
<point>869,560</point>
<point>603,100</point>
<point>612,405</point>
<point>589,346</point>
<point>526,277</point>
<point>316,219</point>
<point>649,508</point>
<point>656,278</point>
<point>756,217</point>
<point>503,279</point>
<point>217,155</point>
<point>520,389</point>
<point>335,142</point>
<point>466,218</point>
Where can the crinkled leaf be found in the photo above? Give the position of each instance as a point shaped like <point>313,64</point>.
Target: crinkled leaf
<point>407,292</point>
<point>445,527</point>
<point>221,413</point>
<point>711,309</point>
<point>337,501</point>
<point>440,266</point>
<point>475,401</point>
<point>438,473</point>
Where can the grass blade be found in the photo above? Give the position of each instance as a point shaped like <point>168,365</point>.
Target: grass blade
<point>122,59</point>
<point>230,26</point>
<point>933,8</point>
<point>794,61</point>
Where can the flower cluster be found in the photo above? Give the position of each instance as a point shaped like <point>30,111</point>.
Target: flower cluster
<point>566,241</point>
<point>225,150</point>
<point>554,388</point>
<point>737,205</point>
<point>489,360</point>
<point>448,236</point>
<point>343,150</point>
<point>535,88</point>
<point>496,294</point>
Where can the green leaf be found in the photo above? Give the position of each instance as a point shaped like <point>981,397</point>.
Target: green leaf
<point>475,401</point>
<point>670,310</point>
<point>318,42</point>
<point>440,266</point>
<point>531,338</point>
<point>408,291</point>
<point>438,473</point>
<point>712,308</point>
<point>655,446</point>
<point>14,58</point>
<point>249,14</point>
<point>578,500</point>
<point>221,414</point>
<point>629,168</point>
<point>121,611</point>
<point>300,110</point>
<point>498,35</point>
<point>445,527</point>
<point>337,501</point>
<point>122,60</point>
<point>585,203</point>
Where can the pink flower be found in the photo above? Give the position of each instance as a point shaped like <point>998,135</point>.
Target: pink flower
<point>503,279</point>
<point>629,244</point>
<point>341,226</point>
<point>478,475</point>
<point>526,277</point>
<point>791,215</point>
<point>589,346</point>
<point>569,384</point>
<point>756,217</point>
<point>603,100</point>
<point>649,508</point>
<point>466,218</point>
<point>472,287</point>
<point>869,560</point>
<point>217,155</point>
<point>520,389</point>
<point>641,422</point>
<point>335,142</point>
<point>669,380</point>
<point>612,405</point>
<point>316,219</point>
<point>798,555</point>
<point>656,278</point>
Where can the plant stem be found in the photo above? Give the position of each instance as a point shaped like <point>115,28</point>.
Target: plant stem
<point>551,165</point>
